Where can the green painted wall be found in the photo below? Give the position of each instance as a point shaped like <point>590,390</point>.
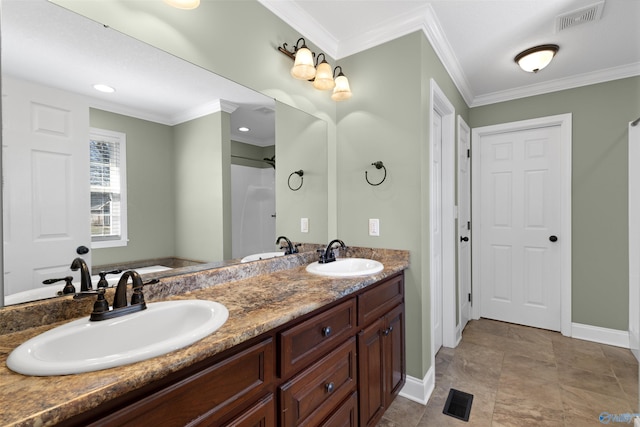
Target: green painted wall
<point>202,170</point>
<point>150,184</point>
<point>301,141</point>
<point>388,119</point>
<point>601,114</point>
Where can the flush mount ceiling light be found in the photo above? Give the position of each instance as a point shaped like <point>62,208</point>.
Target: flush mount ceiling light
<point>103,88</point>
<point>536,58</point>
<point>320,73</point>
<point>183,4</point>
<point>244,129</point>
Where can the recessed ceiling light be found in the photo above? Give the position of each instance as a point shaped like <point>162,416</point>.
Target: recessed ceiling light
<point>103,88</point>
<point>244,129</point>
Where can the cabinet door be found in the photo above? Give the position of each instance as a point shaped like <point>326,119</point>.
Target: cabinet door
<point>371,372</point>
<point>346,415</point>
<point>394,354</point>
<point>262,414</point>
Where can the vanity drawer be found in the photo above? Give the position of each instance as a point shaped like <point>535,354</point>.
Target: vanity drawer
<point>315,393</point>
<point>374,303</point>
<point>303,343</point>
<point>214,393</point>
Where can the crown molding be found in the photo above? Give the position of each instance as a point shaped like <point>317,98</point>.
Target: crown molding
<point>580,80</point>
<point>294,16</point>
<point>425,20</point>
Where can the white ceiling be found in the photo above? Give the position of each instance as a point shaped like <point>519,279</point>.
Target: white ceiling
<point>47,44</point>
<point>475,39</point>
<point>478,39</point>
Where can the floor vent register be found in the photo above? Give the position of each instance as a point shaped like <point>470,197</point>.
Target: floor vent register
<point>458,404</point>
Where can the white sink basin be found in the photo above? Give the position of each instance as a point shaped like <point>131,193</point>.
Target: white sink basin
<point>346,267</point>
<point>85,346</point>
<point>263,255</point>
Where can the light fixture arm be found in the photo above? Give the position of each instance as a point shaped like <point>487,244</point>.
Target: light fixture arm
<point>292,53</point>
<point>324,58</point>
<point>334,71</point>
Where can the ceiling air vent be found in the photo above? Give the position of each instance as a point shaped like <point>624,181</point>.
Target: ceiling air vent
<point>583,15</point>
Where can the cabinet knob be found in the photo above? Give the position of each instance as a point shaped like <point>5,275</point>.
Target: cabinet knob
<point>326,331</point>
<point>330,387</point>
<point>387,331</point>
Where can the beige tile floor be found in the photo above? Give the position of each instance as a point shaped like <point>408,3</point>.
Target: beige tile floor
<point>521,376</point>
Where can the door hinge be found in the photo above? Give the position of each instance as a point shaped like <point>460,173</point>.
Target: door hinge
<point>469,152</point>
<point>469,296</point>
<point>469,225</point>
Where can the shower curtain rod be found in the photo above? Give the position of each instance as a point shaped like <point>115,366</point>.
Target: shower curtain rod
<point>271,162</point>
<point>635,122</point>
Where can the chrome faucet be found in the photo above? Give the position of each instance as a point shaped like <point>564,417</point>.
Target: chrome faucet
<point>101,309</point>
<point>290,247</point>
<point>85,275</point>
<point>327,254</point>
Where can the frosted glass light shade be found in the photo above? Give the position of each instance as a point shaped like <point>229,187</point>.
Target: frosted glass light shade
<point>535,59</point>
<point>303,68</point>
<point>342,90</point>
<point>324,77</point>
<point>183,4</point>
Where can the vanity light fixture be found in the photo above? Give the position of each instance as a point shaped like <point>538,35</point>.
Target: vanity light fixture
<point>183,4</point>
<point>324,75</point>
<point>536,58</point>
<point>342,90</point>
<point>320,73</point>
<point>100,87</point>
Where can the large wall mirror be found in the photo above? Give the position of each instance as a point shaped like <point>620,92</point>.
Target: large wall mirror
<point>195,190</point>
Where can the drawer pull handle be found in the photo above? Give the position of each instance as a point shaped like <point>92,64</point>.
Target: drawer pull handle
<point>326,331</point>
<point>330,387</point>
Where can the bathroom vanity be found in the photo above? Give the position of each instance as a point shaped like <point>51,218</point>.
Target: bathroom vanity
<point>298,349</point>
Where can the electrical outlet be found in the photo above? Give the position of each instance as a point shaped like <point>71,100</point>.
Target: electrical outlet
<point>304,225</point>
<point>374,227</point>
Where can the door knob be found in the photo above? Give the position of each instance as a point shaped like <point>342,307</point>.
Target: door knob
<point>81,250</point>
<point>553,238</point>
<point>464,239</point>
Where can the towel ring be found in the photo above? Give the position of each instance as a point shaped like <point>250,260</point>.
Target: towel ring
<point>378,165</point>
<point>299,173</point>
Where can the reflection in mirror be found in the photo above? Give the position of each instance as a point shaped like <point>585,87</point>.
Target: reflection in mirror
<point>182,148</point>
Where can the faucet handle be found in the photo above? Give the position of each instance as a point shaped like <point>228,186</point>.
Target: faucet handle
<point>68,287</point>
<point>138,297</point>
<point>103,282</point>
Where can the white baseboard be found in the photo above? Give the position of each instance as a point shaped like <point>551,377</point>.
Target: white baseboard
<point>600,335</point>
<point>419,390</point>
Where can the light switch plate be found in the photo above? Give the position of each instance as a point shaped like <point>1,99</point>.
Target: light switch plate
<point>374,227</point>
<point>304,225</point>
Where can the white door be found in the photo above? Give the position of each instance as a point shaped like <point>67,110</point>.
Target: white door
<point>436,228</point>
<point>520,199</point>
<point>46,180</point>
<point>464,222</point>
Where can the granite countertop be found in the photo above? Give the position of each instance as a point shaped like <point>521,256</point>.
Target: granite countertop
<point>260,296</point>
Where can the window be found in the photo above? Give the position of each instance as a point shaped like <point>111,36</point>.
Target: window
<point>107,156</point>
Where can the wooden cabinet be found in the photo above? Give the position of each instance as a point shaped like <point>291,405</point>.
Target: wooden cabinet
<point>214,393</point>
<point>262,414</point>
<point>311,339</point>
<point>381,350</point>
<point>311,396</point>
<point>340,366</point>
